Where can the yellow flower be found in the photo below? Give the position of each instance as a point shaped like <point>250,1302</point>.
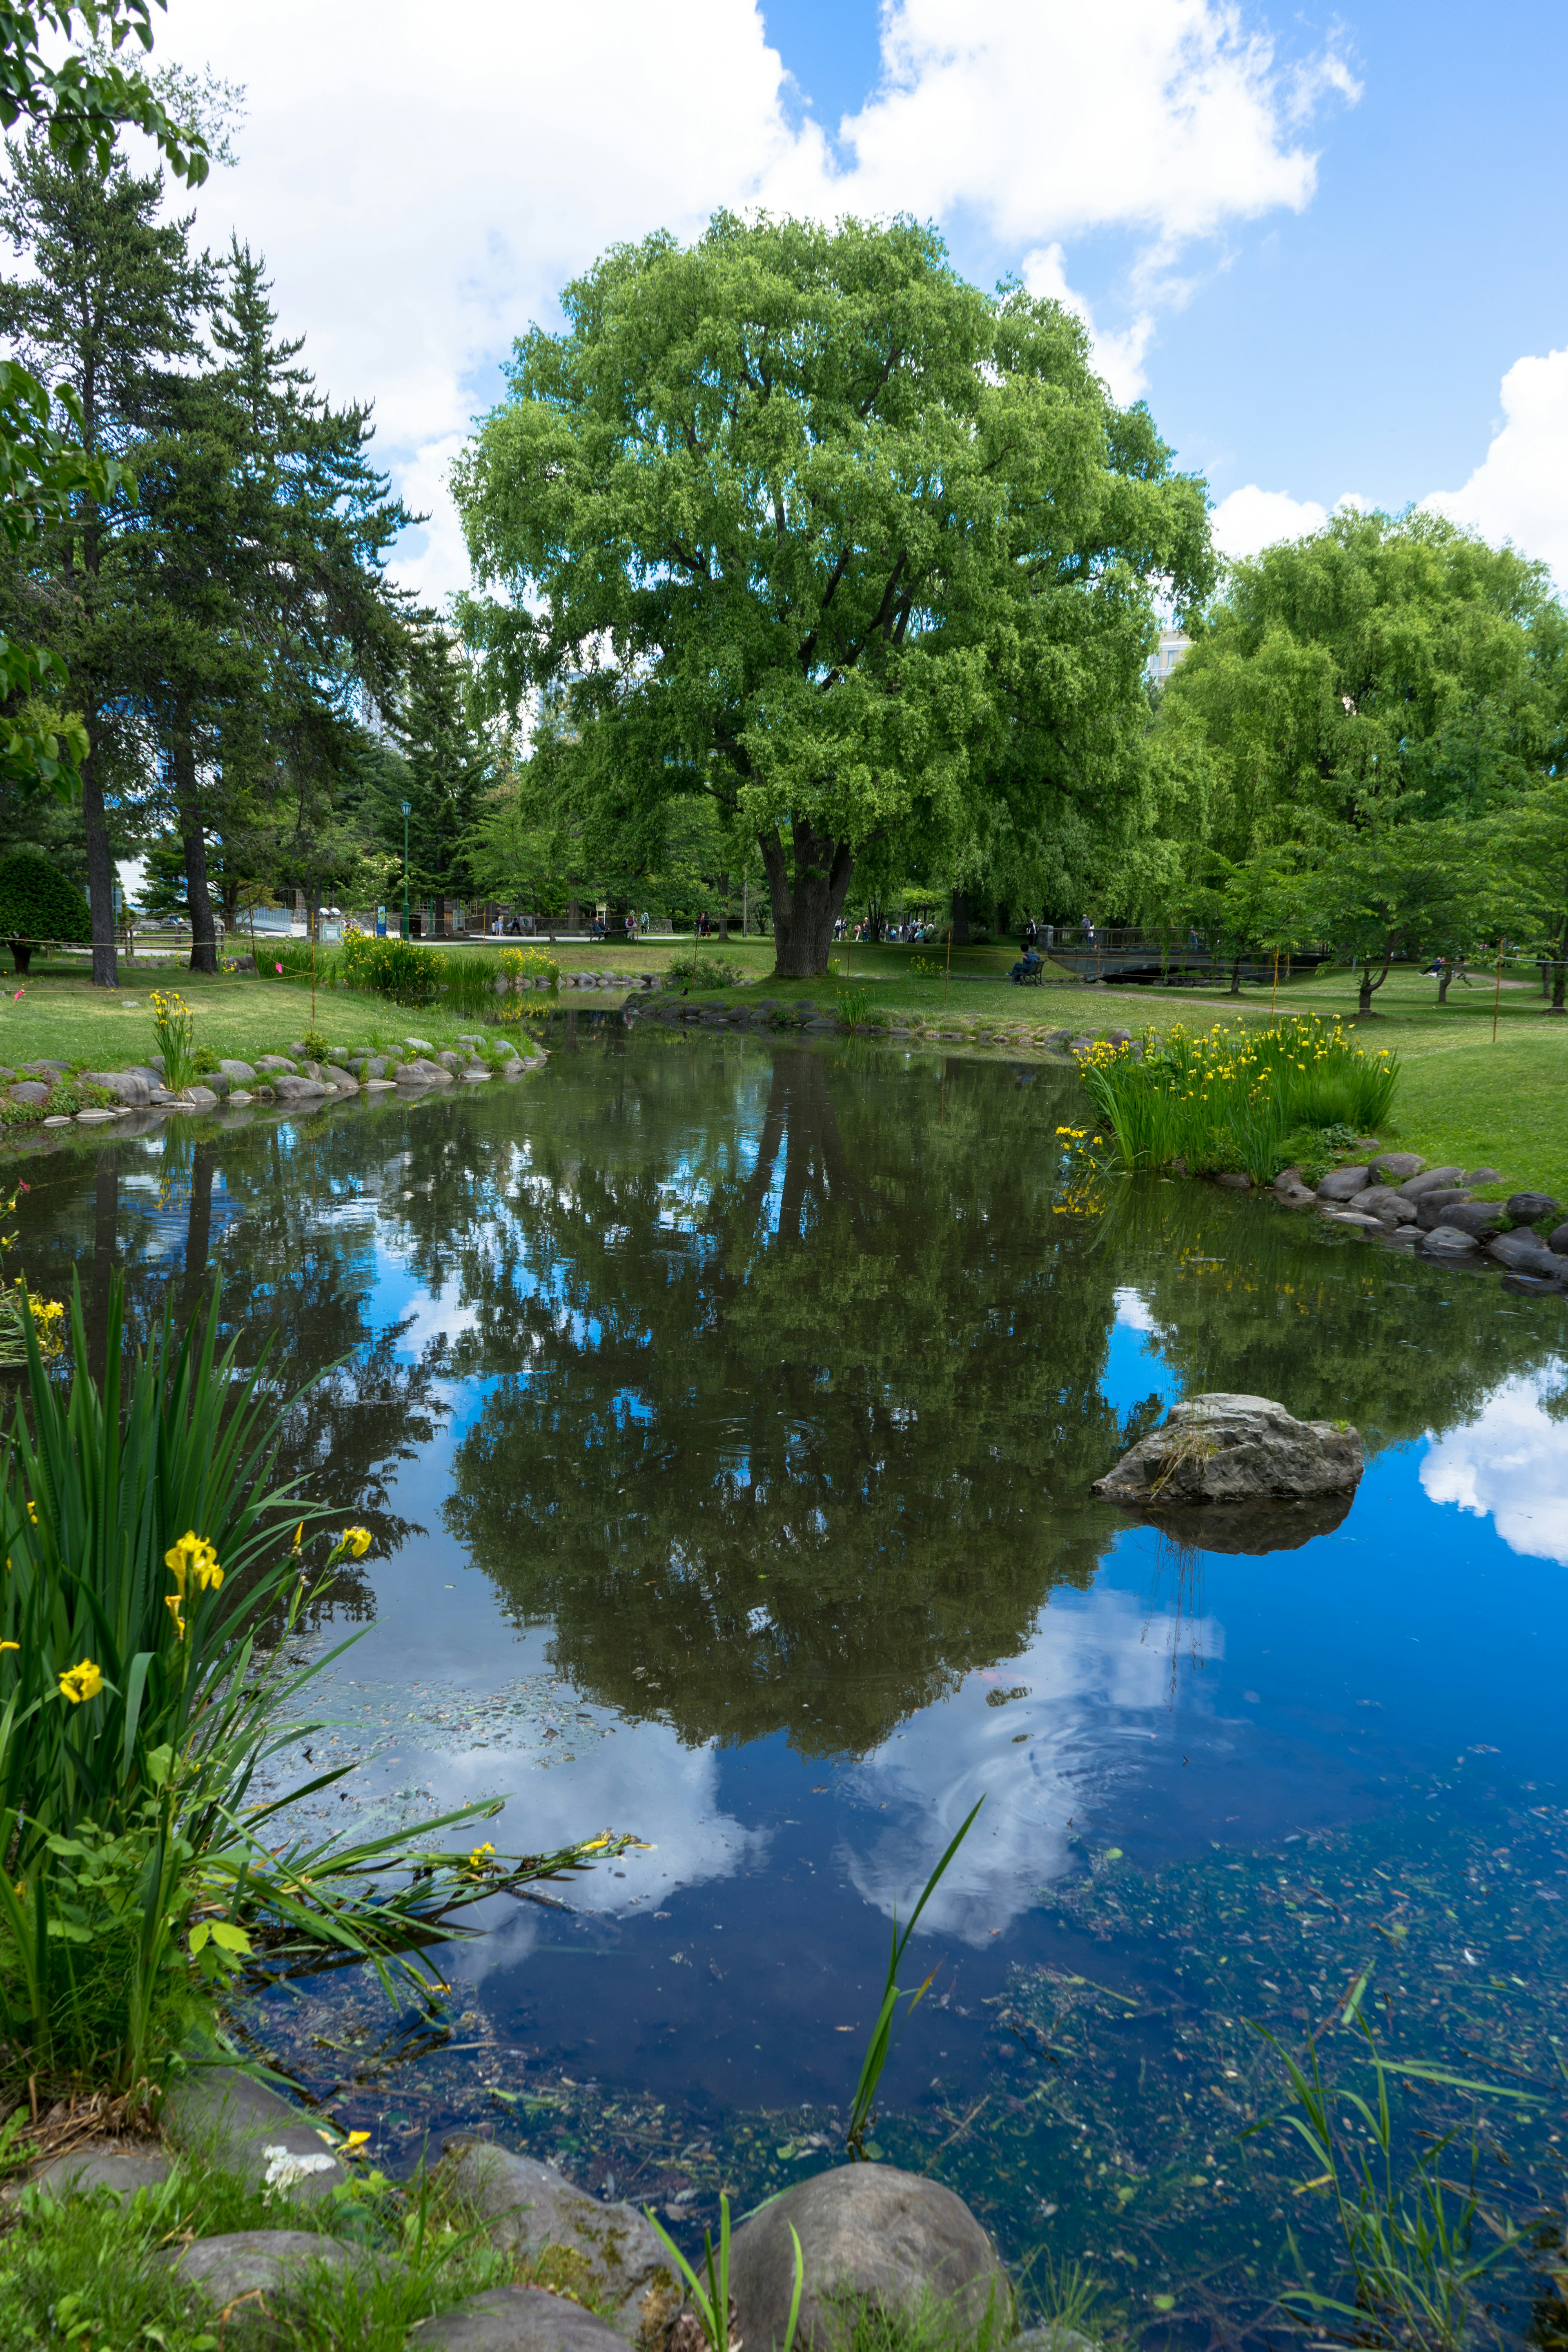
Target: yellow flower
<point>171,1603</point>
<point>33,1513</point>
<point>355,1541</point>
<point>10,1645</point>
<point>354,2142</point>
<point>298,1534</point>
<point>79,1683</point>
<point>194,1556</point>
<point>482,1857</point>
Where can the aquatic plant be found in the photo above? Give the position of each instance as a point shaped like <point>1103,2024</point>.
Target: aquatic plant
<point>1410,2240</point>
<point>395,968</point>
<point>147,1549</point>
<point>1227,1097</point>
<point>700,970</point>
<point>174,1028</point>
<point>709,2292</point>
<point>863,2106</point>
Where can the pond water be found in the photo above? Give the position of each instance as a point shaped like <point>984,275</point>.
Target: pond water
<point>725,1414</point>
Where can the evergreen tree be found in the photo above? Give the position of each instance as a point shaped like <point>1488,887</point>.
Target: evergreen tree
<point>111,301</point>
<point>442,761</point>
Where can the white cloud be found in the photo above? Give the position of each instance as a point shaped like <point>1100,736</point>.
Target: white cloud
<point>420,199</point>
<point>1098,1674</point>
<point>1520,489</point>
<point>1251,519</point>
<point>1133,1312</point>
<point>1509,1464</point>
<point>1118,353</point>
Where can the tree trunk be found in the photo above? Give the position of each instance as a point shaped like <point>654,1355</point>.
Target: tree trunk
<point>724,907</point>
<point>1444,977</point>
<point>1559,984</point>
<point>960,920</point>
<point>1235,977</point>
<point>193,841</point>
<point>99,878</point>
<point>22,956</point>
<point>1365,1004</point>
<point>808,902</point>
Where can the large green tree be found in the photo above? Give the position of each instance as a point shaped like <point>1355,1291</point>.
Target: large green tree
<point>798,520</point>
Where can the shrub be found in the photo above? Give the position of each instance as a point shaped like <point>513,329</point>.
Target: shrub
<point>1228,1098</point>
<point>399,969</point>
<point>38,903</point>
<point>700,970</point>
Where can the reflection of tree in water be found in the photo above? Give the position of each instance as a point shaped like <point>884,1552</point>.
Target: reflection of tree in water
<point>296,1283</point>
<point>784,1365</point>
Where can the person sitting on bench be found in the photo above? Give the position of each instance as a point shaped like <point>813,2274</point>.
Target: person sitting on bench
<point>1027,970</point>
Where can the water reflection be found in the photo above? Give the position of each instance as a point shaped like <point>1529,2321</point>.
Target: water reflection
<point>726,1417</point>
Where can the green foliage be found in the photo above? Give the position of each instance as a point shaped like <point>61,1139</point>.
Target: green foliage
<point>1228,1098</point>
<point>36,904</point>
<point>709,2291</point>
<point>136,1707</point>
<point>174,1028</point>
<point>863,2106</point>
<point>865,558</point>
<point>1410,2240</point>
<point>702,969</point>
<point>395,968</point>
<point>467,977</point>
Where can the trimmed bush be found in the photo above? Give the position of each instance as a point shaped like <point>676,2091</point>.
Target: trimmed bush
<point>37,904</point>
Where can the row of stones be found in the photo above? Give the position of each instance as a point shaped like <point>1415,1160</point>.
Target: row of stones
<point>868,2234</point>
<point>798,1012</point>
<point>275,1077</point>
<point>1397,1196</point>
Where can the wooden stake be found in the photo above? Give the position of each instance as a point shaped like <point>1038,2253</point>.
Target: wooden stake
<point>1497,992</point>
<point>948,966</point>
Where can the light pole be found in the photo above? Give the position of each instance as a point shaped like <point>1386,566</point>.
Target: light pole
<point>407,806</point>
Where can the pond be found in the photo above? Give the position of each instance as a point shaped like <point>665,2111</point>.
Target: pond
<point>725,1414</point>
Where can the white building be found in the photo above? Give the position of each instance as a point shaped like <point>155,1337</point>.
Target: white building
<point>1173,643</point>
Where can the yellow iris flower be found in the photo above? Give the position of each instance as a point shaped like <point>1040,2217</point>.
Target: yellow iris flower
<point>83,1681</point>
<point>194,1557</point>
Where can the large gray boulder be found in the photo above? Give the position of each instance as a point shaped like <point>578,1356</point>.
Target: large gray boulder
<point>528,2206</point>
<point>126,1086</point>
<point>1526,1253</point>
<point>1344,1183</point>
<point>1386,1202</point>
<point>249,2128</point>
<point>1524,1208</point>
<point>246,2275</point>
<point>1559,1241</point>
<point>1430,1180</point>
<point>515,2319</point>
<point>1447,1241</point>
<point>869,2234</point>
<point>120,2169</point>
<point>1478,1217</point>
<point>239,1074</point>
<point>1397,1167</point>
<point>291,1089</point>
<point>1220,1448</point>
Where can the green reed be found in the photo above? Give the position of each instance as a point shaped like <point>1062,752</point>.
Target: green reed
<point>1227,1097</point>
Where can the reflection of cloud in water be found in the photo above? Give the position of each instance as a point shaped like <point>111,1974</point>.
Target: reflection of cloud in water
<point>643,1780</point>
<point>1133,1312</point>
<point>1098,1674</point>
<point>1510,1464</point>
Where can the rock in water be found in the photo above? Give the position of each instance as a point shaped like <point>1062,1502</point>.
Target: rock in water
<point>528,2206</point>
<point>1236,1449</point>
<point>869,2234</point>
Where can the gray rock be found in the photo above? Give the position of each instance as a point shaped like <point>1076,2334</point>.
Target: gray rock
<point>1484,1176</point>
<point>1294,1196</point>
<point>1525,1207</point>
<point>1559,1241</point>
<point>199,1097</point>
<point>1222,1448</point>
<point>530,2206</point>
<point>1431,1179</point>
<point>300,1090</point>
<point>1233,1181</point>
<point>239,1073</point>
<point>343,1082</point>
<point>869,2234</point>
<point>260,2263</point>
<point>250,2128</point>
<point>239,1098</point>
<point>30,1090</point>
<point>1360,1217</point>
<point>516,2320</point>
<point>273,1062</point>
<point>1447,1241</point>
<point>1478,1217</point>
<point>126,1086</point>
<point>121,2170</point>
<point>452,1061</point>
<point>1397,1167</point>
<point>1053,2337</point>
<point>1079,1045</point>
<point>1383,1201</point>
<point>1429,1206</point>
<point>419,1045</point>
<point>214,1081</point>
<point>1526,1253</point>
<point>60,1119</point>
<point>1344,1183</point>
<point>95,1117</point>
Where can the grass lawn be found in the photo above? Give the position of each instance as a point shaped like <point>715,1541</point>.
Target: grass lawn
<point>1460,1098</point>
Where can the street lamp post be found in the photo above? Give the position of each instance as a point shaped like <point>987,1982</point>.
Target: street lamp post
<point>407,806</point>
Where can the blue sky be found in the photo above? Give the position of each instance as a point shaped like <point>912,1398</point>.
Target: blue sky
<point>1324,246</point>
